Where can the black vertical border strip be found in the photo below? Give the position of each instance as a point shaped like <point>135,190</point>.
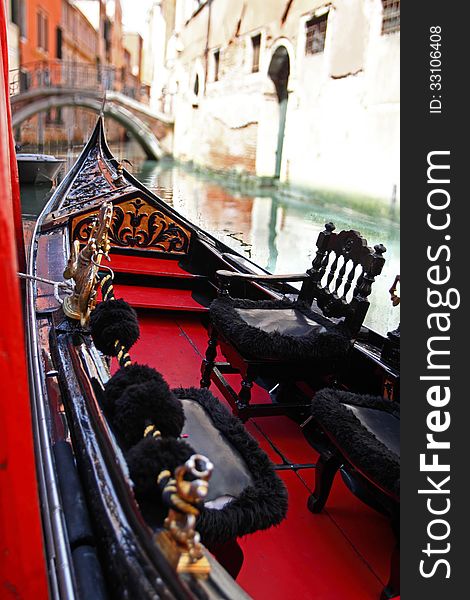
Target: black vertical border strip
<point>422,133</point>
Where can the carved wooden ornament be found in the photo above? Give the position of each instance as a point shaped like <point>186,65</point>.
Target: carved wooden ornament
<point>139,225</point>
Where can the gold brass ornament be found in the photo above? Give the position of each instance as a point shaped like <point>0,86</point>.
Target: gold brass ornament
<point>118,178</point>
<point>179,540</point>
<point>83,266</point>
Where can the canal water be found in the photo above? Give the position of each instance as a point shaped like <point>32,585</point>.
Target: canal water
<point>277,229</point>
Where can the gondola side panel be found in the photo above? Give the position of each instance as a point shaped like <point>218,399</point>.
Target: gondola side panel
<point>22,565</point>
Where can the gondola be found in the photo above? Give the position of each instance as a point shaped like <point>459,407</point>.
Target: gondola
<point>101,539</point>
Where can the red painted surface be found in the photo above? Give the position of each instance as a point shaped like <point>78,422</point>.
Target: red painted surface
<point>197,334</point>
<point>164,346</point>
<point>161,298</point>
<point>262,440</point>
<point>22,566</point>
<point>12,164</point>
<point>353,518</point>
<point>146,265</point>
<point>342,553</point>
<point>307,557</point>
<point>288,438</point>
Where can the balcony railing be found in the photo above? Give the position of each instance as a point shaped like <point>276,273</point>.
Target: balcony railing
<point>73,75</point>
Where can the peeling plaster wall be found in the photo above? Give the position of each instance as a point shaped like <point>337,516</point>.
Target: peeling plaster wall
<point>349,38</point>
<point>342,125</point>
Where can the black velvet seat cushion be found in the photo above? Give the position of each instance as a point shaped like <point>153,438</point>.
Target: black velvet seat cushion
<point>231,475</point>
<point>279,330</point>
<point>288,322</point>
<point>262,503</point>
<point>366,429</point>
<point>383,425</point>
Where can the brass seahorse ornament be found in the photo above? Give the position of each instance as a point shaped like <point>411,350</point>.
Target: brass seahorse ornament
<point>83,266</point>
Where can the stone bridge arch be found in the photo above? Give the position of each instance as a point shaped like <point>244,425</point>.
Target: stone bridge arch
<point>24,108</point>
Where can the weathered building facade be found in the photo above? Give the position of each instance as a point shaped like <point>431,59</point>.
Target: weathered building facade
<point>69,43</point>
<point>306,91</point>
<point>79,47</point>
<point>133,43</point>
<point>37,21</point>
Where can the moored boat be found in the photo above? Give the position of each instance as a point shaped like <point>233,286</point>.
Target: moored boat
<point>166,269</point>
<point>38,168</point>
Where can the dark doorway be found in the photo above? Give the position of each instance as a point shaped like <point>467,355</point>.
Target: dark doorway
<point>279,70</point>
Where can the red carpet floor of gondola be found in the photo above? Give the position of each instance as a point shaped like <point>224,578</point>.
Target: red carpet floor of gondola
<point>158,298</point>
<point>147,265</point>
<point>342,553</point>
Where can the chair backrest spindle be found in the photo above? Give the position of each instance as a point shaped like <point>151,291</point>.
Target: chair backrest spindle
<point>353,249</point>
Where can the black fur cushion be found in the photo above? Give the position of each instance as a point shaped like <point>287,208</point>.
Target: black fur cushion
<point>151,456</point>
<point>322,347</point>
<point>146,460</point>
<point>114,320</point>
<point>360,445</point>
<point>123,378</point>
<point>259,506</point>
<point>137,396</point>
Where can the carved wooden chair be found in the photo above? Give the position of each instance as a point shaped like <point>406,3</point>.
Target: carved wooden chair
<point>362,437</point>
<point>284,340</point>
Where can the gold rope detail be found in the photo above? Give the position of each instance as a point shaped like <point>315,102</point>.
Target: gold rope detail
<point>163,474</point>
<point>151,429</point>
<point>123,356</point>
<point>182,505</point>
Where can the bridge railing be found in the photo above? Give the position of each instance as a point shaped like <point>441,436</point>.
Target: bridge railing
<point>80,76</point>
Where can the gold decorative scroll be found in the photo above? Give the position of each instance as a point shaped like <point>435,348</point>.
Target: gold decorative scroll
<point>138,224</point>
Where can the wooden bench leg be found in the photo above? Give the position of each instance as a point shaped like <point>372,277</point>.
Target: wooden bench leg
<point>229,555</point>
<point>244,395</point>
<point>325,472</point>
<point>209,361</point>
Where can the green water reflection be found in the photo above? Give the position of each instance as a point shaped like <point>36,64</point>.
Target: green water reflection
<point>272,228</point>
